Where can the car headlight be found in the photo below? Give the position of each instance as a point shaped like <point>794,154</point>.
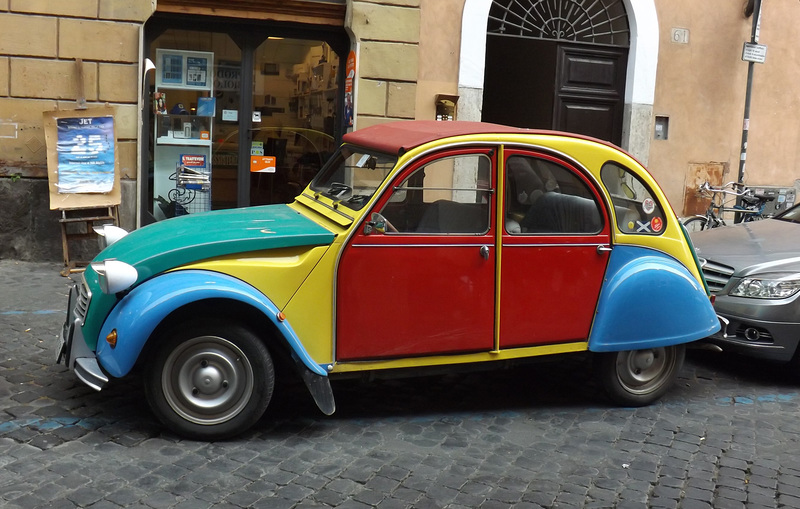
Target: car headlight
<point>109,234</point>
<point>768,286</point>
<point>114,276</point>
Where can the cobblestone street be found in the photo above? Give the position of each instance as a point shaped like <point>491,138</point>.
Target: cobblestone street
<point>540,435</point>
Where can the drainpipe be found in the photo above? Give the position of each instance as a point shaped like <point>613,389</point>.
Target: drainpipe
<point>746,123</point>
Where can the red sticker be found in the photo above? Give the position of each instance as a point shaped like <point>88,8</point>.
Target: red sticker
<point>656,224</point>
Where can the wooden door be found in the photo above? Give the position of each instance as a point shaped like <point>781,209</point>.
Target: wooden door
<point>590,91</point>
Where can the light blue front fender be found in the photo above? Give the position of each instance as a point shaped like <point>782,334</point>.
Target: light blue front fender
<point>137,315</point>
<point>649,300</point>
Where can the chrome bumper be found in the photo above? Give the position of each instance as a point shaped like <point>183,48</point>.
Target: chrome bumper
<point>73,350</point>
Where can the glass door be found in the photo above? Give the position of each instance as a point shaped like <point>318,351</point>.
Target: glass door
<point>294,105</point>
<point>197,82</point>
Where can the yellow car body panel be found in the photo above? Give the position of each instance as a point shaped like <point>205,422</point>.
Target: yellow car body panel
<point>275,273</point>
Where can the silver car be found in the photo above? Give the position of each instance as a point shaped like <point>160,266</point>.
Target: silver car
<point>753,272</point>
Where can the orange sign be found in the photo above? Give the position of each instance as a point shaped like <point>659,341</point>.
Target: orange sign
<point>262,164</point>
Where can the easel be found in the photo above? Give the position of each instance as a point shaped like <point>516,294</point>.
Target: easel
<point>88,218</point>
<point>80,209</point>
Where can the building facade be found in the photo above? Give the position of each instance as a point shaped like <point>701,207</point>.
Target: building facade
<point>238,103</point>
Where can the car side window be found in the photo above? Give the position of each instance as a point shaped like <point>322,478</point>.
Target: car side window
<point>450,195</point>
<point>635,208</point>
<point>543,197</point>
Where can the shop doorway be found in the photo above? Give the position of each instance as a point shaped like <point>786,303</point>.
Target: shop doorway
<point>237,114</point>
<point>557,64</point>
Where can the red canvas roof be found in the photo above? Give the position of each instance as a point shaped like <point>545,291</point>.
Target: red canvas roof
<point>397,137</point>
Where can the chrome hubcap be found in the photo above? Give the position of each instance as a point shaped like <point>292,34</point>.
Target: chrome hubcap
<point>207,380</point>
<point>642,371</point>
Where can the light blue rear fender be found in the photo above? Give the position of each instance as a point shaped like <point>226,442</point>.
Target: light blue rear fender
<point>649,300</point>
<point>138,314</point>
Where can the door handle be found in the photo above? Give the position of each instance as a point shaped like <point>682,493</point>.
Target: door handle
<point>485,252</point>
<point>604,249</point>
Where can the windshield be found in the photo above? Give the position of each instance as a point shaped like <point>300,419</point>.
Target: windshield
<point>792,215</point>
<point>353,175</point>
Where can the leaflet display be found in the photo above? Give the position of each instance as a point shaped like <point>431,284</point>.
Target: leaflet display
<point>184,108</point>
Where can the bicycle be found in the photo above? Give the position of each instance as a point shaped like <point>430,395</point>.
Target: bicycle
<point>750,207</point>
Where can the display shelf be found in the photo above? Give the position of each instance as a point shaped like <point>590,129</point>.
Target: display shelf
<point>184,109</point>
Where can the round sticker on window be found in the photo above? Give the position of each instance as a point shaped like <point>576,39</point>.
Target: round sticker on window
<point>648,205</point>
<point>656,224</point>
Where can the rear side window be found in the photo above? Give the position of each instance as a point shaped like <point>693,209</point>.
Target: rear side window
<point>635,208</point>
<point>546,198</point>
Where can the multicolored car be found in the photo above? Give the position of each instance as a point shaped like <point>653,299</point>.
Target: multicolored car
<point>420,245</point>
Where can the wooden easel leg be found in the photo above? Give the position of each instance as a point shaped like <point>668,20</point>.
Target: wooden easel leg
<point>65,249</point>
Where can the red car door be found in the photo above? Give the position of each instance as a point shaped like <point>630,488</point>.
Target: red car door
<point>426,283</point>
<point>553,255</point>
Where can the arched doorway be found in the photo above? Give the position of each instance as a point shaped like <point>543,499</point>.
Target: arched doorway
<point>557,64</point>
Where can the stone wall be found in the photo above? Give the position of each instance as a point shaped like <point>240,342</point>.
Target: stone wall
<point>41,44</point>
<point>387,35</point>
<point>39,52</point>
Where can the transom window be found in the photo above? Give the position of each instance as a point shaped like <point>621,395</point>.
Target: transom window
<point>588,21</point>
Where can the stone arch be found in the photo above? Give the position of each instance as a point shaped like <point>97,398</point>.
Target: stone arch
<point>641,71</point>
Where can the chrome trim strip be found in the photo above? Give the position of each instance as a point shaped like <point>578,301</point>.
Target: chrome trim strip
<point>590,244</point>
<point>471,189</point>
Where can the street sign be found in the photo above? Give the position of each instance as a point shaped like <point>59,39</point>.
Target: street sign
<point>754,53</point>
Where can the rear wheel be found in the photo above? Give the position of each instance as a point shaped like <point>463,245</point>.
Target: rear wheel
<point>639,377</point>
<point>210,381</point>
<point>695,224</point>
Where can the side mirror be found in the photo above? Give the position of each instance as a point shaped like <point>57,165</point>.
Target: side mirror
<point>376,223</point>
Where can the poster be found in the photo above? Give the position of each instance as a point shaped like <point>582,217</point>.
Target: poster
<point>82,158</point>
<point>197,71</point>
<point>350,77</point>
<point>85,149</point>
<point>179,69</point>
<point>171,71</point>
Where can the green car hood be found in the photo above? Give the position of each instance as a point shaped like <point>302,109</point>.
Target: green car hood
<point>186,239</point>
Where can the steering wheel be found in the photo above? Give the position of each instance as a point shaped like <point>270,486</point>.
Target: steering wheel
<point>338,189</point>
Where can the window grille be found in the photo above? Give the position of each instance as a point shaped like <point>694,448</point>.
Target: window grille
<point>586,21</point>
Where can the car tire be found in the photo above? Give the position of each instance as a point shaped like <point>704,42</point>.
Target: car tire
<point>209,381</point>
<point>639,377</point>
<point>695,224</point>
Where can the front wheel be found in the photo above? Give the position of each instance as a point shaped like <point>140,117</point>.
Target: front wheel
<point>210,381</point>
<point>695,224</point>
<point>639,377</point>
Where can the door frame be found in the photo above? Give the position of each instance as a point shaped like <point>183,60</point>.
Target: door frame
<point>472,242</point>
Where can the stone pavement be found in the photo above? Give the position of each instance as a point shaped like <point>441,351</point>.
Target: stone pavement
<point>727,436</point>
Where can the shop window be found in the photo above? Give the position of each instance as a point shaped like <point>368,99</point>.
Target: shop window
<point>226,134</point>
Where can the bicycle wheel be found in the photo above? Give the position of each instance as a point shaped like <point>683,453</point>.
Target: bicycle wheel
<point>695,224</point>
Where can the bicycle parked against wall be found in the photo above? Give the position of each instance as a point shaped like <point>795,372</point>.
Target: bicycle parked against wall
<point>750,207</point>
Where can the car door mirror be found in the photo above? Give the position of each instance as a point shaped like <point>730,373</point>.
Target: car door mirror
<point>376,223</point>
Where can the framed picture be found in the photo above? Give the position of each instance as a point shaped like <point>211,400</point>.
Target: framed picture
<point>178,69</point>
